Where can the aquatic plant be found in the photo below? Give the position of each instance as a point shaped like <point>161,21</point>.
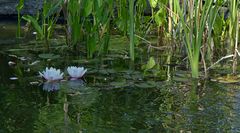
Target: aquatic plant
<point>19,8</point>
<point>88,22</point>
<point>131,29</point>
<point>234,31</point>
<point>51,74</point>
<point>76,72</point>
<point>44,22</point>
<point>193,30</point>
<point>159,15</point>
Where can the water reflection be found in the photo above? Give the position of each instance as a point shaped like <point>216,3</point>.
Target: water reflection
<point>75,84</point>
<point>173,106</point>
<point>51,86</point>
<point>71,84</point>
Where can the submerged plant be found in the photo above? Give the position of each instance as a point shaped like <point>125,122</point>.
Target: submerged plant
<point>51,74</point>
<point>76,72</point>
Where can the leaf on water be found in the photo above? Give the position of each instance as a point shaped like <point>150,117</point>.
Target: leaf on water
<point>148,84</point>
<point>229,79</point>
<point>49,56</point>
<point>181,79</point>
<point>119,84</point>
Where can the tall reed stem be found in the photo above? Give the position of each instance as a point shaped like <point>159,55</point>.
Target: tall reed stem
<point>19,8</point>
<point>193,29</point>
<point>131,28</point>
<point>233,32</point>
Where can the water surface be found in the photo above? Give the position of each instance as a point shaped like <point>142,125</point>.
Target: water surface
<point>114,96</point>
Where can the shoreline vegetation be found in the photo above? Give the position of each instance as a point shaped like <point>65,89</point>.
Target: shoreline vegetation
<point>202,28</point>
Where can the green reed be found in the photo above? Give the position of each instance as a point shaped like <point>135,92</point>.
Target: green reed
<point>44,22</point>
<point>131,29</point>
<point>74,20</point>
<point>234,31</point>
<point>89,22</point>
<point>19,8</point>
<point>193,30</point>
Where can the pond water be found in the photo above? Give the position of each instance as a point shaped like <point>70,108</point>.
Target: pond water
<point>114,96</point>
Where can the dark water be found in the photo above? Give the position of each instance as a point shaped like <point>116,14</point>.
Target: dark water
<point>114,96</point>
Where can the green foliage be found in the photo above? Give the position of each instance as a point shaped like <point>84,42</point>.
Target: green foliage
<point>160,16</point>
<point>44,23</point>
<point>234,31</point>
<point>20,5</point>
<point>150,64</point>
<point>153,3</point>
<point>88,23</point>
<point>35,24</point>
<point>193,31</point>
<point>88,7</point>
<point>159,11</point>
<point>131,29</point>
<point>19,8</point>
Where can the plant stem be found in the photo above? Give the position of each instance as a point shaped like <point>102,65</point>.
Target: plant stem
<point>131,28</point>
<point>19,25</point>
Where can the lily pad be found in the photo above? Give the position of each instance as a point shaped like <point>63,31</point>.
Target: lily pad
<point>49,56</point>
<point>119,84</point>
<point>148,84</point>
<point>229,79</point>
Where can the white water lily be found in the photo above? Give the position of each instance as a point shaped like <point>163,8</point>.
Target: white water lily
<point>76,72</point>
<point>51,74</point>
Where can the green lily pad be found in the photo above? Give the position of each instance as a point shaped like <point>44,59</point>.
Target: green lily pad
<point>229,79</point>
<point>49,56</point>
<point>148,84</point>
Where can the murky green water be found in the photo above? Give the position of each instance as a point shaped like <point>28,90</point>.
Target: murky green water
<point>114,96</point>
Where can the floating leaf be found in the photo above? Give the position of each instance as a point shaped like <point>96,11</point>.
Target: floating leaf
<point>119,84</point>
<point>227,79</point>
<point>49,56</point>
<point>148,84</point>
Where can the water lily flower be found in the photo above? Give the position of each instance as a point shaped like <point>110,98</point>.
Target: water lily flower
<point>76,72</point>
<point>51,74</point>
